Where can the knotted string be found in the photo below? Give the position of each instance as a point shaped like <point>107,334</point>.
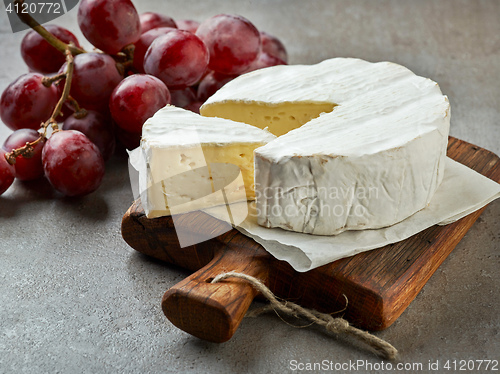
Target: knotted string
<point>334,325</point>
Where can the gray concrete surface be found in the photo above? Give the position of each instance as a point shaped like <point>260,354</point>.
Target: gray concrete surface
<point>74,298</point>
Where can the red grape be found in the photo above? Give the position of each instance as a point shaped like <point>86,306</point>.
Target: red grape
<point>72,163</point>
<point>26,102</point>
<point>129,140</point>
<point>178,58</point>
<point>26,168</point>
<point>142,45</point>
<point>109,25</point>
<point>152,20</point>
<point>66,110</point>
<point>97,128</point>
<point>264,60</point>
<point>6,173</point>
<point>188,25</point>
<point>182,98</point>
<point>194,106</point>
<point>233,42</point>
<point>95,76</point>
<point>137,98</point>
<point>39,55</point>
<point>211,83</point>
<point>273,46</point>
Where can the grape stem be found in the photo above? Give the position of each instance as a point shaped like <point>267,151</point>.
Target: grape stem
<point>47,81</point>
<point>124,58</point>
<point>65,94</point>
<point>27,150</point>
<point>51,39</point>
<point>79,111</point>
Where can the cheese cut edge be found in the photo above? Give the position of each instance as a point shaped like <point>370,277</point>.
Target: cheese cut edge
<point>189,160</point>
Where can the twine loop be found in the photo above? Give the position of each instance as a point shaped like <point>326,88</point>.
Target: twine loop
<point>337,325</point>
<point>334,325</point>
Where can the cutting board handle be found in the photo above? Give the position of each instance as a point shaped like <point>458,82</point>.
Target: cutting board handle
<point>213,311</point>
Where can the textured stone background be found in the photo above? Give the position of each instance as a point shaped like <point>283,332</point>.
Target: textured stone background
<point>74,298</point>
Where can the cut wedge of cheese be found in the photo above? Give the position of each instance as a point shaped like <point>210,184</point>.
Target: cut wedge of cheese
<point>277,118</point>
<point>373,158</point>
<point>192,162</point>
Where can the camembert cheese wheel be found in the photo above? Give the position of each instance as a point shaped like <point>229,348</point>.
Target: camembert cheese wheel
<point>360,145</point>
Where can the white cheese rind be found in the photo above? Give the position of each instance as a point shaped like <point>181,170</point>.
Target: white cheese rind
<point>187,161</point>
<point>158,131</point>
<point>373,161</point>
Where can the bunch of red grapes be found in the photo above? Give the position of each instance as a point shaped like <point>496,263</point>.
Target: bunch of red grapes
<point>114,91</point>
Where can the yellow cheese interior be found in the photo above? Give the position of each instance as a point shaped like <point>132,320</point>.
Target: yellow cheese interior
<point>240,155</point>
<point>279,119</point>
<point>192,177</point>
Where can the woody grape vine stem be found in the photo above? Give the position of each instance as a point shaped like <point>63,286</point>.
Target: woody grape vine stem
<point>70,50</point>
<point>51,39</point>
<point>27,150</point>
<point>124,60</point>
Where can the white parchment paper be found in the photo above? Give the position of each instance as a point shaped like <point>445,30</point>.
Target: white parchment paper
<point>462,192</point>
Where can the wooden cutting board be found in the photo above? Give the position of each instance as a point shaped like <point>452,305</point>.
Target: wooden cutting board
<point>378,284</point>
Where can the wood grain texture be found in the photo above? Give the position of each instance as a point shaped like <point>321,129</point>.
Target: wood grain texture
<point>378,284</point>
